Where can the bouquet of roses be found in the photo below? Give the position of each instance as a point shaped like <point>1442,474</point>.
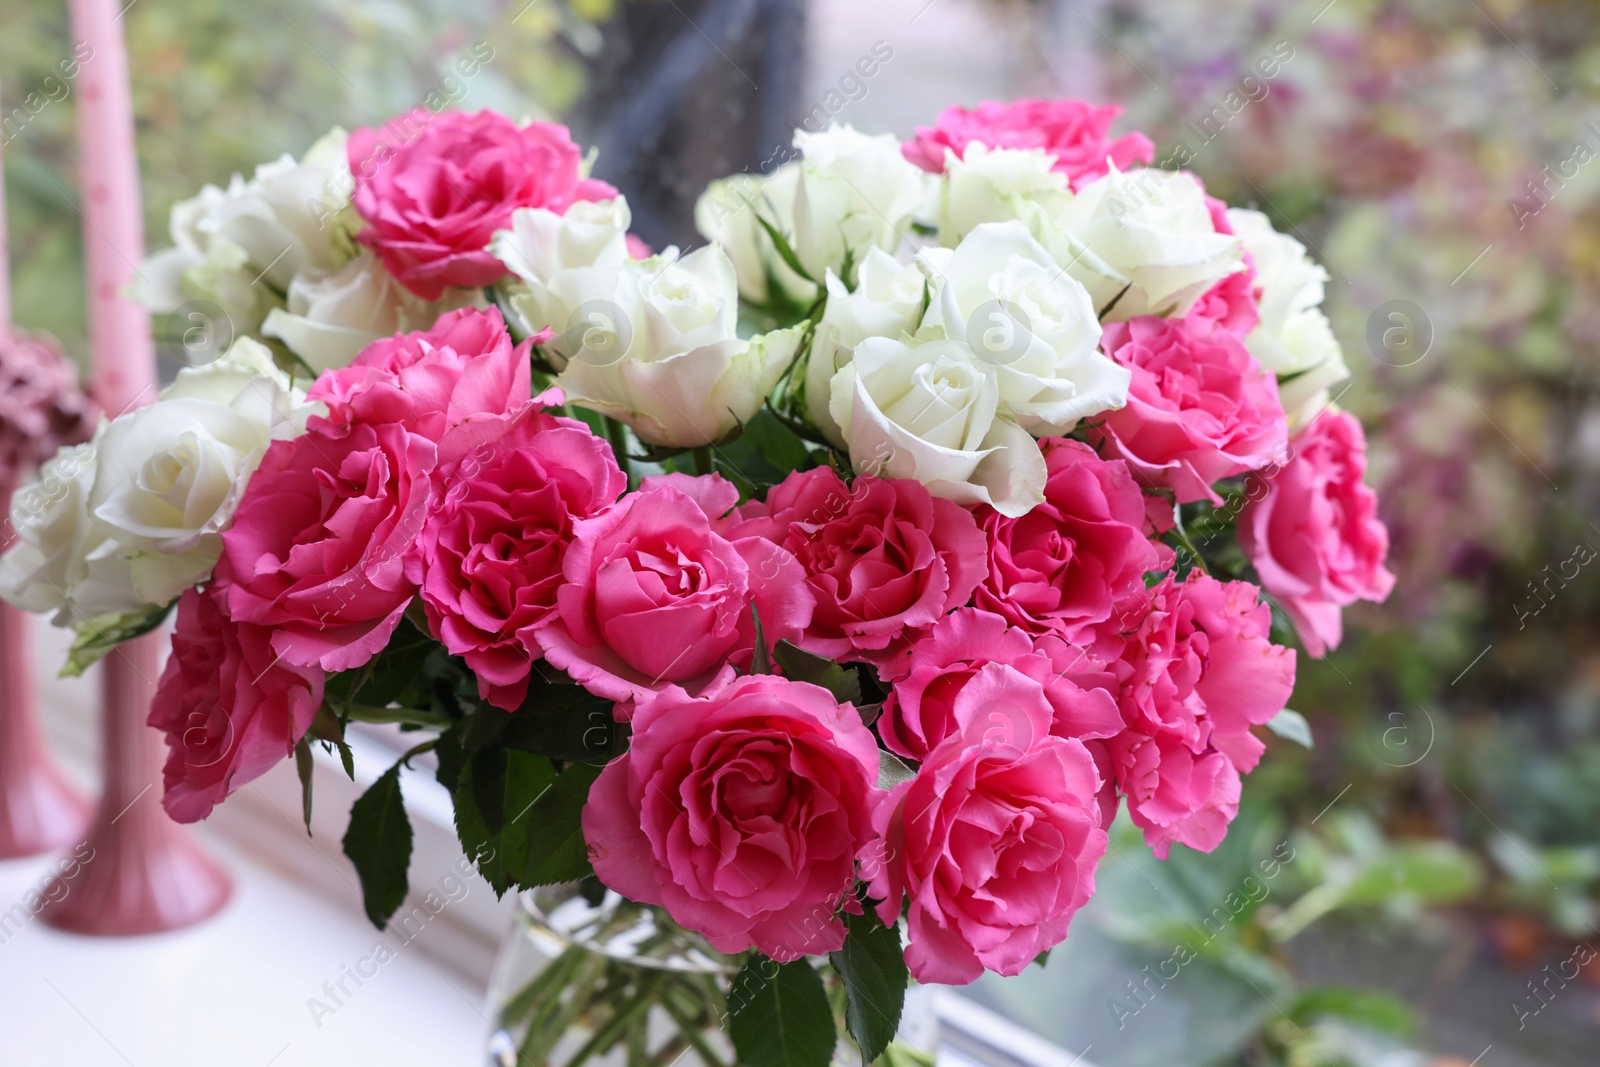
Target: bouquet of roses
<point>838,578</point>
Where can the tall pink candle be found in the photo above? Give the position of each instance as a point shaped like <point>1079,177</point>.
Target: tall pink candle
<point>147,874</point>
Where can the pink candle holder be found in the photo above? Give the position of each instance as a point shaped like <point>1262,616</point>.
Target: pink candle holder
<point>39,811</point>
<point>139,872</point>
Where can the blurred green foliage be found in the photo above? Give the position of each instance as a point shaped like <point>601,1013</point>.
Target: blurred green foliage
<point>219,88</point>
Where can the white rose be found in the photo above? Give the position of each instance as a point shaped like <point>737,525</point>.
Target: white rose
<point>50,518</point>
<point>654,343</point>
<point>855,192</point>
<point>996,185</point>
<point>1305,393</point>
<point>169,476</point>
<point>541,243</point>
<point>1031,325</point>
<point>848,194</point>
<point>727,213</point>
<point>886,302</point>
<point>1145,230</point>
<point>269,228</point>
<point>1293,337</point>
<point>931,412</point>
<point>332,315</point>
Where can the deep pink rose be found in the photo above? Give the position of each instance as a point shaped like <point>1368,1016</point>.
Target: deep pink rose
<point>995,840</point>
<point>1076,133</point>
<point>967,644</point>
<point>1234,303</point>
<point>493,547</point>
<point>1063,567</point>
<point>655,596</point>
<point>323,547</point>
<point>1200,670</point>
<point>1314,535</point>
<point>430,380</point>
<point>885,558</point>
<point>433,197</point>
<point>230,706</point>
<point>1200,408</point>
<point>740,813</point>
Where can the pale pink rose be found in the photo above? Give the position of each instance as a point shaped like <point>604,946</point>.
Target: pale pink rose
<point>740,813</point>
<point>1314,534</point>
<point>654,596</point>
<point>1200,408</point>
<point>323,547</point>
<point>920,711</point>
<point>433,197</point>
<point>884,557</point>
<point>493,547</point>
<point>1063,567</point>
<point>996,839</point>
<point>1199,671</point>
<point>42,409</point>
<point>1076,133</point>
<point>430,380</point>
<point>230,706</point>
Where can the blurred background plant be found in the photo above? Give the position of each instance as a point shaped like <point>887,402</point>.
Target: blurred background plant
<point>1442,160</point>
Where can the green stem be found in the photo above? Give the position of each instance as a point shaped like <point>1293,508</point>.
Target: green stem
<point>617,434</point>
<point>553,1018</point>
<point>414,716</point>
<point>613,1029</point>
<point>554,976</point>
<point>689,1027</point>
<point>702,460</point>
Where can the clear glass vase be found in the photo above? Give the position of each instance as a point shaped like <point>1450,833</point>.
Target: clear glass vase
<point>607,984</point>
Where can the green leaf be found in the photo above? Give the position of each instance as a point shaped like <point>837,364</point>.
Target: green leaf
<point>556,850</point>
<point>496,790</point>
<point>781,244</point>
<point>874,972</point>
<point>779,1015</point>
<point>565,722</point>
<point>303,767</point>
<point>1373,1009</point>
<point>1292,726</point>
<point>892,770</point>
<point>805,666</point>
<point>759,663</point>
<point>99,635</point>
<point>378,842</point>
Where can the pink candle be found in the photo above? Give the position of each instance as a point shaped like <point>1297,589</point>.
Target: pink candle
<point>147,873</point>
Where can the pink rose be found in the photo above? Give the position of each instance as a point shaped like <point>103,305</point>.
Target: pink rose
<point>655,596</point>
<point>1200,670</point>
<point>230,706</point>
<point>433,198</point>
<point>995,840</point>
<point>493,548</point>
<point>965,645</point>
<point>1063,567</point>
<point>1074,132</point>
<point>1314,535</point>
<point>884,557</point>
<point>42,409</point>
<point>1233,304</point>
<point>740,813</point>
<point>323,547</point>
<point>430,380</point>
<point>1200,408</point>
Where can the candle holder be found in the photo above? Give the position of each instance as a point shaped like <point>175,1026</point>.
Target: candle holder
<point>39,810</point>
<point>140,872</point>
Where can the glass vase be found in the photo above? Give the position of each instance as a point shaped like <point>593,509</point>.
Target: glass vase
<point>599,981</point>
